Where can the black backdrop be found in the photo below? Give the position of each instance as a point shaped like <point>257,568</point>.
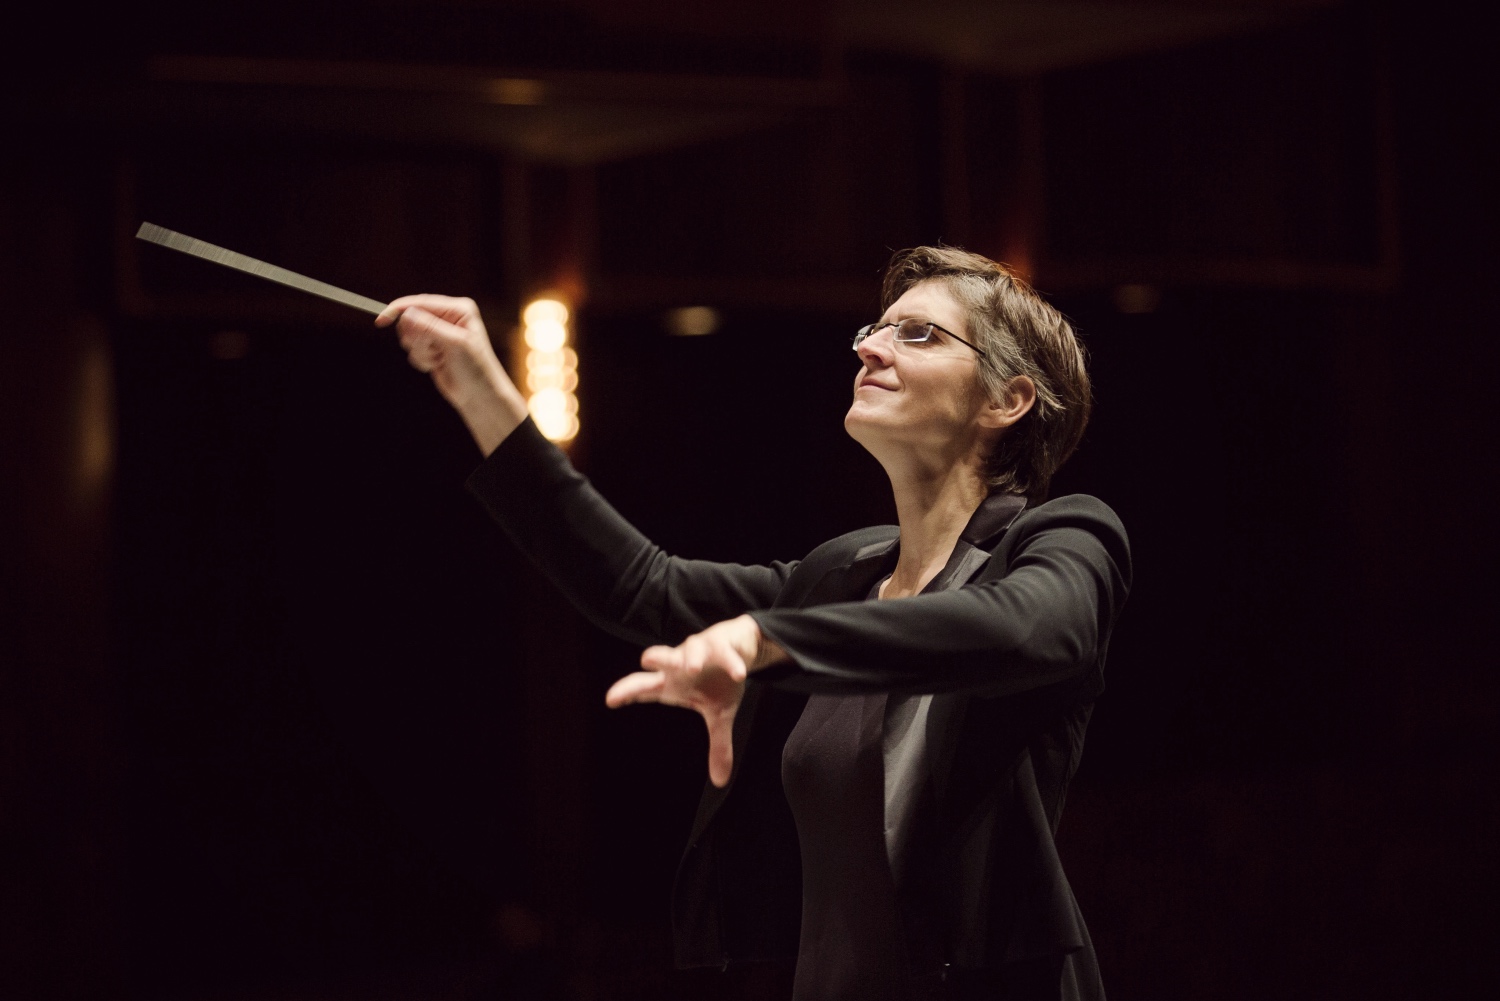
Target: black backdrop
<point>301,744</point>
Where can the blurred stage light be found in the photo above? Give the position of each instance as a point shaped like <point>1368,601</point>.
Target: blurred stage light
<point>692,321</point>
<point>546,335</point>
<point>1137,299</point>
<point>551,369</point>
<point>512,90</point>
<point>545,311</point>
<point>229,345</point>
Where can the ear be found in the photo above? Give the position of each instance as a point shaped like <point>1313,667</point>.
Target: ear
<point>1020,397</point>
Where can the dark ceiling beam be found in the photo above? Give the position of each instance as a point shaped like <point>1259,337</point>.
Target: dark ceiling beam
<point>499,86</point>
<point>568,119</point>
<point>1027,37</point>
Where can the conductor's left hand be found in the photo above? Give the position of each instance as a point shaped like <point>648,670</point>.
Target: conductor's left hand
<point>705,672</point>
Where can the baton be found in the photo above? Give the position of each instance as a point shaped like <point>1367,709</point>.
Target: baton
<point>161,236</point>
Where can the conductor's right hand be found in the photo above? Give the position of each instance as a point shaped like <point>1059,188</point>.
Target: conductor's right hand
<point>445,337</point>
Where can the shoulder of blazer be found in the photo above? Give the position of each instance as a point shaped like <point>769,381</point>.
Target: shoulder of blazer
<point>851,546</point>
<point>876,543</point>
<point>862,545</point>
<point>1073,511</point>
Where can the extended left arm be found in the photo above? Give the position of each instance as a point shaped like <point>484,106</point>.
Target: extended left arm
<point>1043,622</point>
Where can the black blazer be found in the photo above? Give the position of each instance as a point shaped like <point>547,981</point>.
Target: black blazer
<point>1015,655</point>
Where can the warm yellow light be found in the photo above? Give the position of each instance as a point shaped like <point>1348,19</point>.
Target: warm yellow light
<point>545,361</point>
<point>551,369</point>
<point>510,90</point>
<point>546,335</point>
<point>555,413</point>
<point>545,311</point>
<point>558,427</point>
<point>566,358</point>
<point>550,401</point>
<point>692,321</point>
<point>538,379</point>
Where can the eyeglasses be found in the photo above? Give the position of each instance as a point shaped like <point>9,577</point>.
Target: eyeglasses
<point>909,331</point>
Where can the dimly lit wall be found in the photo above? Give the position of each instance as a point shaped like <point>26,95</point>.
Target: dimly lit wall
<point>280,708</point>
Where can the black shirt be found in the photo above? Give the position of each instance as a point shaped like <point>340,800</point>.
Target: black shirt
<point>1013,658</point>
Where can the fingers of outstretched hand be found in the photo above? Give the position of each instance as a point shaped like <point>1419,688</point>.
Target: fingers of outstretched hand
<point>661,658</point>
<point>642,686</point>
<point>693,674</point>
<point>714,648</point>
<point>695,653</point>
<point>732,663</point>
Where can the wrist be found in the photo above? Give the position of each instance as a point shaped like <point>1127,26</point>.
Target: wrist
<point>491,411</point>
<point>767,650</point>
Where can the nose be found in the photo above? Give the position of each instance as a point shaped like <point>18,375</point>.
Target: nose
<point>878,350</point>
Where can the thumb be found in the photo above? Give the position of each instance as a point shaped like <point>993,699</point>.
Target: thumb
<point>720,748</point>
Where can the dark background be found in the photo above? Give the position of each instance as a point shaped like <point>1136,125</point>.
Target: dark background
<point>282,715</point>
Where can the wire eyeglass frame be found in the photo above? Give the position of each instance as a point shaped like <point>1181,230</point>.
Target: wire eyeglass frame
<point>905,328</point>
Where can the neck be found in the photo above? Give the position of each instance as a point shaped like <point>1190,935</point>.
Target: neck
<point>933,505</point>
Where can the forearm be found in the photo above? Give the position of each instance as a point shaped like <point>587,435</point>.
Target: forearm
<point>609,570</point>
<point>1044,623</point>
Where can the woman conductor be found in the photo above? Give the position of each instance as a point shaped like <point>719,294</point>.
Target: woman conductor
<point>894,719</point>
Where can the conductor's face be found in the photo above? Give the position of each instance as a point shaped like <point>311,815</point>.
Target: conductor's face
<point>919,398</point>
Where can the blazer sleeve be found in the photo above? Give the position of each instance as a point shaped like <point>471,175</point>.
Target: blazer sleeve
<point>1045,619</point>
<point>609,570</point>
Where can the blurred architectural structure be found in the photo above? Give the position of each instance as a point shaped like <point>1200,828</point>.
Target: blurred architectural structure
<point>226,507</point>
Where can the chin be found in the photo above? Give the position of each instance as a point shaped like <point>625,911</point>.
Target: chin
<point>865,421</point>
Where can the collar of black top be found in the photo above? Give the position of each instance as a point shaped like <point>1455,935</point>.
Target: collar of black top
<point>992,517</point>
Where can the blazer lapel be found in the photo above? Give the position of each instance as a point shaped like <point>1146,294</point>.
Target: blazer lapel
<point>868,564</point>
<point>970,556</point>
<point>992,518</point>
<point>853,580</point>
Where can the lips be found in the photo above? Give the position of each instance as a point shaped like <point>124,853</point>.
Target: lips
<point>871,383</point>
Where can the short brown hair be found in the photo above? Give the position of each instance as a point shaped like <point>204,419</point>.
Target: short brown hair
<point>1020,334</point>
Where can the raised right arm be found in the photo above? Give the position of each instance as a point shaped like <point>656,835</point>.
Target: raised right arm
<point>613,573</point>
<point>610,571</point>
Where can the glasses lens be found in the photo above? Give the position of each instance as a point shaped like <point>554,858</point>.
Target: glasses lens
<point>913,330</point>
<point>908,331</point>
